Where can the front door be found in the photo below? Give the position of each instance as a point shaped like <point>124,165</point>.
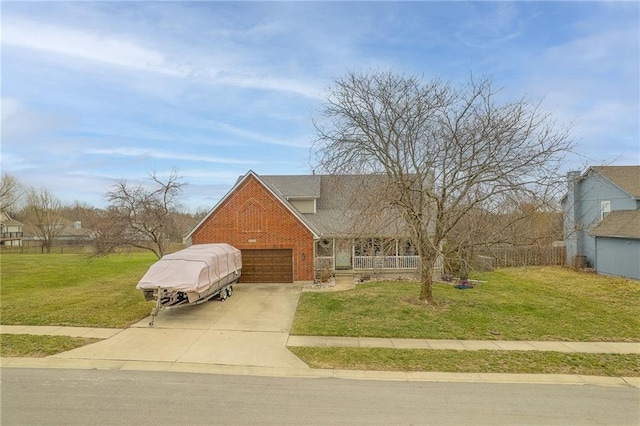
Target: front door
<point>343,254</point>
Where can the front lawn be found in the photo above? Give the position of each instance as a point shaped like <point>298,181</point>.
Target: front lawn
<point>73,290</point>
<point>536,303</point>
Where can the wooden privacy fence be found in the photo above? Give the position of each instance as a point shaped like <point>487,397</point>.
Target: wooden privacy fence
<point>77,249</point>
<point>62,249</point>
<point>524,256</point>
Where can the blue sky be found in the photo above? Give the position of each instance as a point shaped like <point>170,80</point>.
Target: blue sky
<point>97,91</point>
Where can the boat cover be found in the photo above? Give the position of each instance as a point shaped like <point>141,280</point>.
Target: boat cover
<point>193,269</point>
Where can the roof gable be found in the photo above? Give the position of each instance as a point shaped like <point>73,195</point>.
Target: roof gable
<point>277,195</point>
<point>6,220</point>
<point>626,178</point>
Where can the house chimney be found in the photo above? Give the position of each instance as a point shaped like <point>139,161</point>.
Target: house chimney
<point>572,217</point>
<point>572,178</point>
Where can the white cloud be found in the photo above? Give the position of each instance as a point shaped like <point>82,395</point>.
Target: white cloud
<point>259,137</point>
<point>490,25</point>
<point>82,44</point>
<point>601,50</point>
<point>165,155</point>
<point>12,163</point>
<point>19,121</point>
<point>228,67</point>
<point>270,83</point>
<point>10,108</point>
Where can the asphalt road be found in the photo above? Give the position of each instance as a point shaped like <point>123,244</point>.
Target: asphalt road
<point>99,397</point>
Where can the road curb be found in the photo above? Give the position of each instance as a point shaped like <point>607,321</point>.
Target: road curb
<point>125,365</point>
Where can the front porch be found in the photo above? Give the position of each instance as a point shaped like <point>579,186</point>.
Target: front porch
<point>382,257</point>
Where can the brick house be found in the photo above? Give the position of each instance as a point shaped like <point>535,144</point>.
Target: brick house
<point>292,228</point>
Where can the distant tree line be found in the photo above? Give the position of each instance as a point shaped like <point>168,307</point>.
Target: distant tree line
<point>145,216</point>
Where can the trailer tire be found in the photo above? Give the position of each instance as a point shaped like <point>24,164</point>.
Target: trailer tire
<point>229,291</point>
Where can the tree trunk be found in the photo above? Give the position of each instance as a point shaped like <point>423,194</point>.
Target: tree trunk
<point>426,279</point>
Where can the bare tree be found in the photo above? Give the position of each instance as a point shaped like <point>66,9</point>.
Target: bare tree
<point>42,213</point>
<point>80,212</point>
<point>9,192</point>
<point>141,217</point>
<point>446,151</point>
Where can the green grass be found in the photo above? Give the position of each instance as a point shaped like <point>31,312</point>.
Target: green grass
<point>538,303</point>
<point>73,290</point>
<point>515,362</point>
<point>23,345</point>
<point>513,304</point>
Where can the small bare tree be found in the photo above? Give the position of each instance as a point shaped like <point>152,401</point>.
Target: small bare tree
<point>42,212</point>
<point>9,192</point>
<point>141,217</point>
<point>445,151</point>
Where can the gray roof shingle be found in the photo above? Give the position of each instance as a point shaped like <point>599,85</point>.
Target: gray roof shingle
<point>339,203</point>
<point>620,224</point>
<point>294,186</point>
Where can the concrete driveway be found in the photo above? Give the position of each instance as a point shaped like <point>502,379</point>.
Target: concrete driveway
<point>249,329</point>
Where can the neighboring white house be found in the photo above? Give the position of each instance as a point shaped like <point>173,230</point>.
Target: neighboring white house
<point>10,231</point>
<point>602,219</point>
<point>67,233</point>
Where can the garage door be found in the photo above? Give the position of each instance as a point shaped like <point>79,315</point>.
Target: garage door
<point>267,266</point>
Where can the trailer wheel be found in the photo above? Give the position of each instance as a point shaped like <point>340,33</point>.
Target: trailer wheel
<point>223,295</point>
<point>229,291</point>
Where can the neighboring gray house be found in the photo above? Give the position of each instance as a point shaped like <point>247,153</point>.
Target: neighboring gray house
<point>590,199</point>
<point>617,241</point>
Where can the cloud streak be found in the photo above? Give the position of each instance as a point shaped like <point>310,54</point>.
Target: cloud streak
<point>124,52</point>
<point>166,155</point>
<point>108,49</point>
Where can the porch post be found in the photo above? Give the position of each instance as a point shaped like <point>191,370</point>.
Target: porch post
<point>333,251</point>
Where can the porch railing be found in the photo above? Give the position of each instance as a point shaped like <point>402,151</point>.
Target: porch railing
<point>376,262</point>
<point>386,262</point>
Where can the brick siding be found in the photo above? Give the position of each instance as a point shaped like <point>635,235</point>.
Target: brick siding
<point>253,218</point>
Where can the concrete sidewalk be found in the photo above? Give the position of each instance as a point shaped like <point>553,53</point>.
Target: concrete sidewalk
<point>368,342</point>
<point>468,345</point>
<point>176,350</point>
<point>55,330</point>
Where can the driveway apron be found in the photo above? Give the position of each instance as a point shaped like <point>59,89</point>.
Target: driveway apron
<point>250,329</point>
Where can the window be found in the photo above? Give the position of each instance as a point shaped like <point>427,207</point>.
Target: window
<point>605,209</point>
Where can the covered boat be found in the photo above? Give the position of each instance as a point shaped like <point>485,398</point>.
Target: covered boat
<point>190,276</point>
